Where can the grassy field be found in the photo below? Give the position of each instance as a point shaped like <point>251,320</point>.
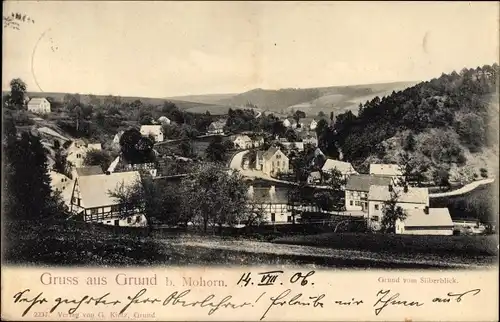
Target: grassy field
<point>466,246</point>
<point>72,243</point>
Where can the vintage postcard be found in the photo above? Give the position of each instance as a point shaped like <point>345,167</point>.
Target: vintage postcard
<point>250,161</point>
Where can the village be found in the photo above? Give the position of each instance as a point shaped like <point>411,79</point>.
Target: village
<point>266,161</point>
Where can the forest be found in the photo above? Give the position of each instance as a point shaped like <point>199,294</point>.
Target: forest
<point>436,122</point>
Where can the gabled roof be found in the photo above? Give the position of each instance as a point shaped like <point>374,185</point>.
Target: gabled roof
<point>154,129</point>
<point>414,195</point>
<point>315,175</point>
<point>218,124</point>
<point>38,100</point>
<point>270,153</point>
<point>386,169</point>
<point>436,217</point>
<point>95,189</point>
<point>244,138</point>
<point>363,182</point>
<point>343,167</point>
<point>88,171</point>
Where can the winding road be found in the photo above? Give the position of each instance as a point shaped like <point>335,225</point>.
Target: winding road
<point>467,188</point>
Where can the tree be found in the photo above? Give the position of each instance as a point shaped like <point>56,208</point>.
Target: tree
<point>321,114</point>
<point>135,148</point>
<point>298,115</point>
<point>186,148</point>
<point>441,177</point>
<point>97,157</point>
<point>27,179</point>
<point>17,92</point>
<point>216,150</point>
<point>221,198</point>
<point>336,182</point>
<point>392,213</point>
<point>61,164</point>
<point>291,135</point>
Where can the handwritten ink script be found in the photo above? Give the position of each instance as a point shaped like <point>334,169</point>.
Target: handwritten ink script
<point>275,289</point>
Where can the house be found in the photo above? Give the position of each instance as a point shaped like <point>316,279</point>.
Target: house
<point>39,105</point>
<point>61,183</point>
<point>153,131</point>
<point>407,198</point>
<point>345,168</point>
<point>242,142</point>
<point>290,123</point>
<point>77,151</point>
<point>291,145</point>
<point>388,170</point>
<point>272,202</point>
<point>309,138</point>
<point>120,165</point>
<point>357,188</point>
<point>427,221</point>
<point>91,199</point>
<point>314,178</point>
<point>94,146</point>
<point>164,120</point>
<point>273,161</point>
<point>216,127</point>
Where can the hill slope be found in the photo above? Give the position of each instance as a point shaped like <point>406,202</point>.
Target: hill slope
<point>313,100</point>
<point>449,124</point>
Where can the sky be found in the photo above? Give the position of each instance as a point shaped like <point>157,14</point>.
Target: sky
<point>164,49</point>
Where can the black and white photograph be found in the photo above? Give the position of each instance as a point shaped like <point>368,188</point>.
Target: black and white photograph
<point>332,135</point>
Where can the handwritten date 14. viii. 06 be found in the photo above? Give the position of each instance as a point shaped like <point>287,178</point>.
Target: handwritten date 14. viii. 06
<point>270,278</point>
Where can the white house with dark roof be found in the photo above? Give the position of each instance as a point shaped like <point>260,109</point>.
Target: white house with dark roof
<point>345,168</point>
<point>427,221</point>
<point>290,145</point>
<point>154,131</point>
<point>387,170</point>
<point>272,202</point>
<point>61,183</point>
<point>91,199</point>
<point>273,161</point>
<point>408,198</point>
<point>77,151</point>
<point>216,127</point>
<point>357,188</point>
<point>39,105</point>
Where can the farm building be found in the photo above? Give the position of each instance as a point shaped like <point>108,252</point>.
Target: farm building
<point>272,202</point>
<point>345,168</point>
<point>154,131</point>
<point>91,199</point>
<point>39,105</point>
<point>427,221</point>
<point>357,188</point>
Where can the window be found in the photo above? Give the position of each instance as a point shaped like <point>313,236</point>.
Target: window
<point>350,202</point>
<point>62,180</point>
<point>115,208</point>
<point>93,211</point>
<point>289,219</point>
<point>376,207</point>
<point>375,218</point>
<point>357,203</point>
<point>129,220</point>
<point>78,201</point>
<point>117,222</point>
<point>272,164</point>
<point>138,218</point>
<point>278,164</point>
<point>273,217</point>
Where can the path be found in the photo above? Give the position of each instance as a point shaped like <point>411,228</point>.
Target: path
<point>467,188</point>
<point>341,255</point>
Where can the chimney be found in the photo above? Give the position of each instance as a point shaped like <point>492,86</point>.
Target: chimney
<point>426,210</point>
<point>390,188</point>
